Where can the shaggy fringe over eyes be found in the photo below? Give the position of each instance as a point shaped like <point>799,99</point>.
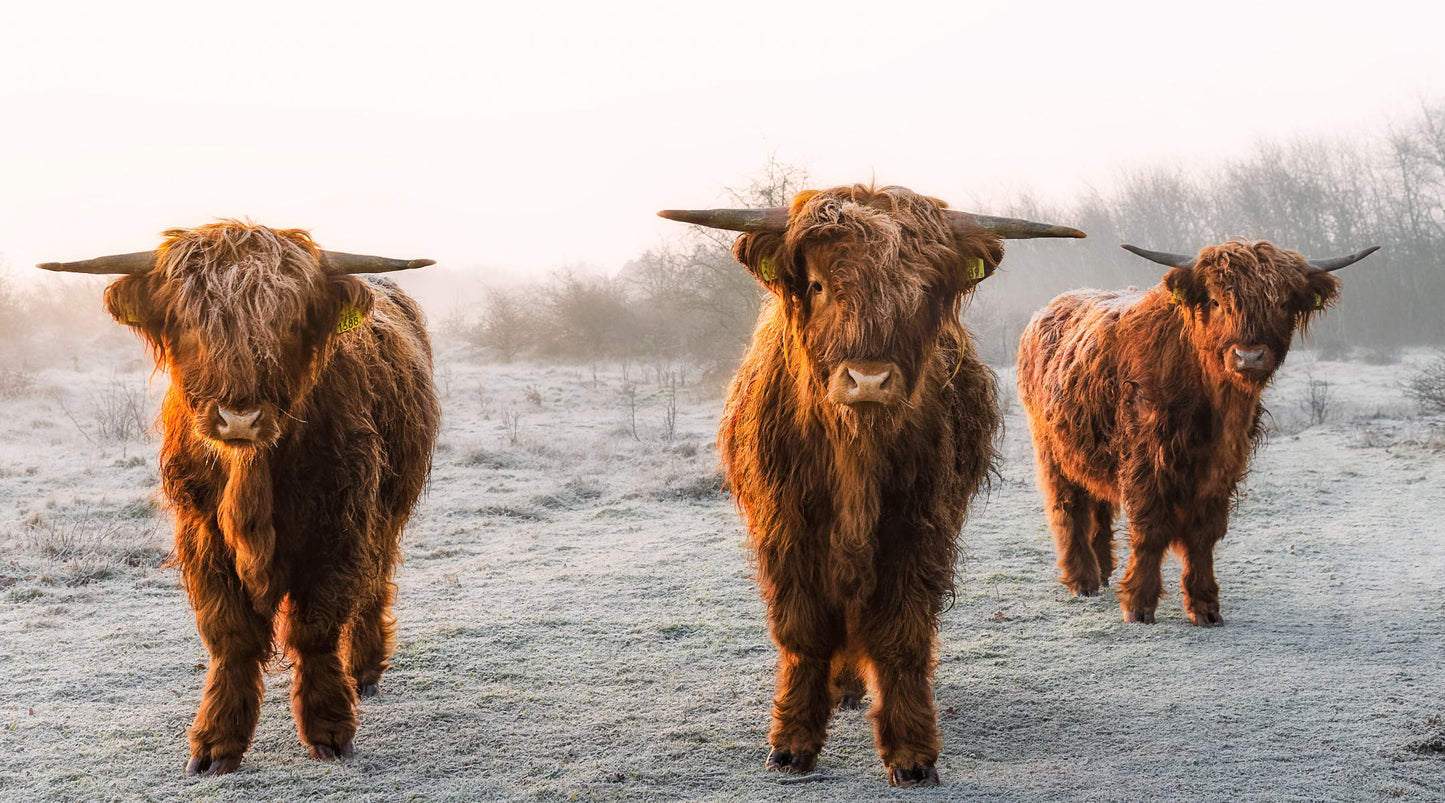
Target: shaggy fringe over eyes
<point>903,244</point>
<point>236,284</point>
<point>1260,276</point>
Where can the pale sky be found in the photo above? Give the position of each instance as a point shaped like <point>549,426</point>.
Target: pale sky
<point>521,137</point>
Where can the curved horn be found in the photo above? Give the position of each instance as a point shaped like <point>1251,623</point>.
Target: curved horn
<point>1010,228</point>
<point>336,263</point>
<point>774,219</point>
<point>139,262</point>
<point>1335,263</point>
<point>1162,257</point>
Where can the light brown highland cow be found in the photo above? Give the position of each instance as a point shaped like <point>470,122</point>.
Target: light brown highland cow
<point>297,435</point>
<point>1151,401</point>
<point>856,431</point>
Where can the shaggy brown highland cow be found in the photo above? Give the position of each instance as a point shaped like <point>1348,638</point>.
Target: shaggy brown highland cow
<point>297,435</point>
<point>1151,400</point>
<point>855,433</point>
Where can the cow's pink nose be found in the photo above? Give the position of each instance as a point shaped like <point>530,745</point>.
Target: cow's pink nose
<point>239,425</point>
<point>863,382</point>
<point>1246,359</point>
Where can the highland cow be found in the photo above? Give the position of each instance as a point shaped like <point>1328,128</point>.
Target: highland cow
<point>856,431</point>
<point>1151,401</point>
<point>297,433</point>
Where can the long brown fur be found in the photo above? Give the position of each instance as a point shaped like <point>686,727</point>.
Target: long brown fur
<point>853,517</point>
<point>294,537</point>
<point>1132,402</point>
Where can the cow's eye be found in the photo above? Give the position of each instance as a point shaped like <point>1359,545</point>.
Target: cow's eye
<point>1214,302</point>
<point>815,288</point>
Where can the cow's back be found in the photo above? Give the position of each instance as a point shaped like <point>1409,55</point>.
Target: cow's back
<point>1069,382</point>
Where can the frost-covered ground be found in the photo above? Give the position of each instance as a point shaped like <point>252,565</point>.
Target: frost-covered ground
<point>577,618</point>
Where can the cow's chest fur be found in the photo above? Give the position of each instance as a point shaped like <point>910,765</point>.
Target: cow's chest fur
<point>1192,446</point>
<point>842,516</point>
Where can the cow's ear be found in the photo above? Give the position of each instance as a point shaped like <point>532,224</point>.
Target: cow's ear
<point>347,306</point>
<point>129,301</point>
<point>1321,290</point>
<point>979,257</point>
<point>1185,287</point>
<point>761,252</point>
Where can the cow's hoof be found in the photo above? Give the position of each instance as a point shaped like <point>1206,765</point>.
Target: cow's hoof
<point>850,702</point>
<point>918,776</point>
<point>212,767</point>
<point>368,689</point>
<point>1142,617</point>
<point>793,763</point>
<point>1206,618</point>
<point>331,752</point>
<point>1081,588</point>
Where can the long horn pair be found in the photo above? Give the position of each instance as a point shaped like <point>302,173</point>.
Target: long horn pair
<point>1181,261</point>
<point>334,263</point>
<point>775,219</point>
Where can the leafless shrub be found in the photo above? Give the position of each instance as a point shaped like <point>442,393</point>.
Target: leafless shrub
<point>508,325</point>
<point>117,413</point>
<point>1317,399</point>
<point>15,384</point>
<point>1428,386</point>
<point>484,403</point>
<point>512,425</point>
<point>533,396</point>
<point>669,415</point>
<point>628,392</point>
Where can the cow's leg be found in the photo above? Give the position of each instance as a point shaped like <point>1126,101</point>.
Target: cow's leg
<point>1196,552</point>
<point>807,634</point>
<point>323,696</point>
<point>1104,539</point>
<point>239,641</point>
<point>1071,517</point>
<point>369,639</point>
<point>898,632</point>
<point>1151,530</point>
<point>848,685</point>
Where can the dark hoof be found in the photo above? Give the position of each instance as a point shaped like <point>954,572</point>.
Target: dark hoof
<point>368,689</point>
<point>1085,592</point>
<point>1142,617</point>
<point>792,763</point>
<point>1206,619</point>
<point>331,752</point>
<point>918,776</point>
<point>850,702</point>
<point>213,766</point>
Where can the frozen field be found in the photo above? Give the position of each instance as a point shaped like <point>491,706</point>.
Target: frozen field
<point>578,621</point>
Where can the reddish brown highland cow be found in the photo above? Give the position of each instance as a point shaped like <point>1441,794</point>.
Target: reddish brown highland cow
<point>1151,400</point>
<point>297,435</point>
<point>855,433</point>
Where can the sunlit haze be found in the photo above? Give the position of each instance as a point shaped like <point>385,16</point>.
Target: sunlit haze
<point>510,139</point>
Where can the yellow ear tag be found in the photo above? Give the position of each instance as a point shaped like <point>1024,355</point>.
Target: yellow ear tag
<point>1319,301</point>
<point>976,270</point>
<point>131,319</point>
<point>350,319</point>
<point>766,271</point>
<point>1177,296</point>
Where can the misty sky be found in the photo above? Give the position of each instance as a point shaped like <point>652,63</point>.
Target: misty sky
<point>519,138</point>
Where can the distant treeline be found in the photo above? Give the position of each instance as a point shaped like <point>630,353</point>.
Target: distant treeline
<point>689,300</point>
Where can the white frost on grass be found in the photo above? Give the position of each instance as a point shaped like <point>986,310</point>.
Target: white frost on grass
<point>578,620</point>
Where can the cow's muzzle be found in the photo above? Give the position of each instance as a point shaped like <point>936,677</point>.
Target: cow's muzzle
<point>1253,361</point>
<point>240,424</point>
<point>864,382</point>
